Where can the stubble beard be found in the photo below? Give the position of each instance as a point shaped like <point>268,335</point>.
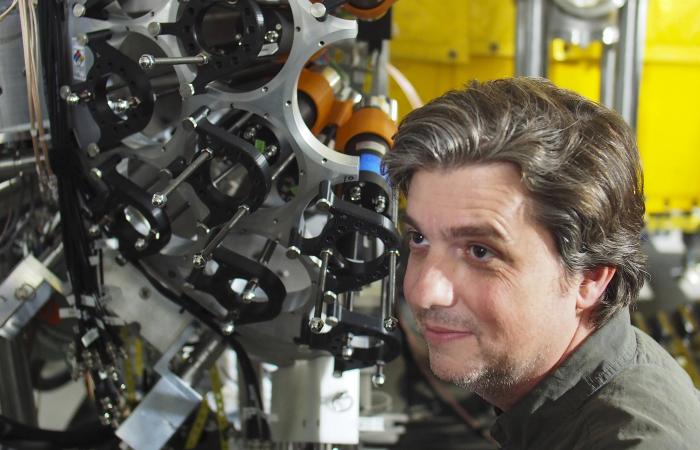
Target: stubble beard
<point>495,377</point>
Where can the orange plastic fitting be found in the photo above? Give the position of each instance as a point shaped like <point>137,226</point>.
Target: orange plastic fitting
<point>366,120</point>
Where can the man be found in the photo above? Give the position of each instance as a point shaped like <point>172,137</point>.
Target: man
<point>524,215</point>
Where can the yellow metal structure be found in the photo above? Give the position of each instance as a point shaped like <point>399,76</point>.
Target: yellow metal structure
<point>442,45</point>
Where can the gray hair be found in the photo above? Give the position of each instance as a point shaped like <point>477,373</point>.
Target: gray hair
<point>578,161</point>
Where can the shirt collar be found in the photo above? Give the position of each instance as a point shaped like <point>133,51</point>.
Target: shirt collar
<point>601,356</point>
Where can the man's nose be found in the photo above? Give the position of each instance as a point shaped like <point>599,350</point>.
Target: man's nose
<point>429,282</point>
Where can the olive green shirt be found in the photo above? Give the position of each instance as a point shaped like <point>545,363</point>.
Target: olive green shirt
<point>618,390</point>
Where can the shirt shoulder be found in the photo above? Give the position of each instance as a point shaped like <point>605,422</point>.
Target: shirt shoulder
<point>650,404</point>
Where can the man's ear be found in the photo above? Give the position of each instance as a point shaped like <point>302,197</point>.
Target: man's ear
<point>592,287</point>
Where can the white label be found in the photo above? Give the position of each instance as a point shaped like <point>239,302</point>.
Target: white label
<point>268,49</point>
<point>90,337</point>
<point>79,59</point>
<point>68,313</point>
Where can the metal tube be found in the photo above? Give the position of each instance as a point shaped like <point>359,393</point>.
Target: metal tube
<point>11,166</point>
<point>147,62</point>
<point>532,55</point>
<point>629,59</point>
<point>200,259</point>
<point>267,251</point>
<point>388,317</point>
<point>283,165</point>
<point>316,323</point>
<point>607,75</point>
<point>160,199</point>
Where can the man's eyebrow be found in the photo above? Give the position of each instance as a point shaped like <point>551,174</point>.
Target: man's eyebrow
<point>478,230</point>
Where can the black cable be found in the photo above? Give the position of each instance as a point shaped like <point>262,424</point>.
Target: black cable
<point>88,435</point>
<point>257,426</point>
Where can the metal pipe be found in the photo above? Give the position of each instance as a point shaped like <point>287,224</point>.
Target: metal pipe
<point>283,165</point>
<point>200,259</point>
<point>316,323</point>
<point>531,43</point>
<point>607,75</point>
<point>629,59</point>
<point>160,199</point>
<point>147,62</point>
<point>12,166</point>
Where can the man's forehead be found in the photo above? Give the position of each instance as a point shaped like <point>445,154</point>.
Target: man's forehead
<point>468,200</point>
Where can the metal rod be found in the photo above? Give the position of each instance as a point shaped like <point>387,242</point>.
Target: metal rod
<point>267,251</point>
<point>532,56</point>
<point>160,199</point>
<point>316,324</point>
<point>11,166</point>
<point>629,59</point>
<point>283,165</point>
<point>147,61</point>
<point>388,315</point>
<point>200,259</point>
<point>607,75</point>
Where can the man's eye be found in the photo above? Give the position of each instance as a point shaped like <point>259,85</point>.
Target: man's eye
<point>480,252</point>
<point>415,239</point>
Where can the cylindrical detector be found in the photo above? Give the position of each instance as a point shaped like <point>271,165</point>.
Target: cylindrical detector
<point>371,122</point>
<point>368,9</point>
<point>316,96</point>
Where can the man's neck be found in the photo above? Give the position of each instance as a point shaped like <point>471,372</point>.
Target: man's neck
<point>505,400</point>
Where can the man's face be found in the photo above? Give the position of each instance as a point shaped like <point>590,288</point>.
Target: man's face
<point>484,280</point>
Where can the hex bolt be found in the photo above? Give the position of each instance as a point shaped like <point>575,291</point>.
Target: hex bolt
<point>355,194</point>
<point>200,259</point>
<point>25,292</point>
<point>249,291</point>
<point>271,36</point>
<point>293,252</point>
<point>316,325</point>
<point>94,231</point>
<point>72,99</point>
<point>322,275</point>
<point>228,328</point>
<point>378,377</point>
<point>160,199</point>
<point>323,204</point>
<point>330,296</point>
<point>379,203</point>
<point>141,244</point>
<point>147,62</point>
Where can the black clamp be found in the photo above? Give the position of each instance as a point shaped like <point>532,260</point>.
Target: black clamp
<point>344,274</point>
<point>124,194</point>
<point>227,56</point>
<point>378,343</point>
<point>135,113</point>
<point>231,266</point>
<point>237,151</point>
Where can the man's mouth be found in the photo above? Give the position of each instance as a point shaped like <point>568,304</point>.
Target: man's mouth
<point>436,334</point>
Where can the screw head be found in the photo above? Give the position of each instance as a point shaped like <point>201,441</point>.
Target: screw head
<point>271,36</point>
<point>355,194</point>
<point>187,90</point>
<point>94,231</point>
<point>73,99</point>
<point>332,321</point>
<point>95,172</point>
<point>25,292</point>
<point>316,325</point>
<point>390,323</point>
<point>140,244</point>
<point>199,261</point>
<point>329,296</point>
<point>64,92</point>
<point>93,150</point>
<point>248,296</point>
<point>293,252</point>
<point>228,328</point>
<point>347,352</point>
<point>378,379</point>
<point>82,38</point>
<point>146,62</point>
<point>79,10</point>
<point>323,204</point>
<point>159,200</point>
<point>154,28</point>
<point>318,10</point>
<point>144,292</point>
